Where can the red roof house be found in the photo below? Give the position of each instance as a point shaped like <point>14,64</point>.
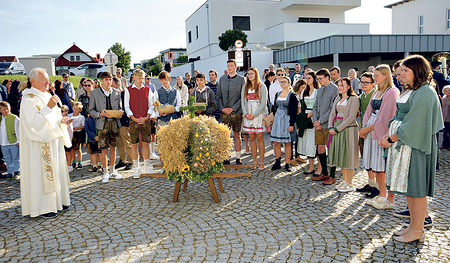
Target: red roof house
<point>73,57</point>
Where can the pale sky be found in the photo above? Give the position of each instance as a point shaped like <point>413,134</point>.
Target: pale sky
<point>143,27</point>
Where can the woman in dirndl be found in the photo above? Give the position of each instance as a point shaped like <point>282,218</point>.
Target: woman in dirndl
<point>284,128</point>
<point>253,102</point>
<point>343,139</point>
<point>306,143</point>
<point>413,146</point>
<point>376,119</point>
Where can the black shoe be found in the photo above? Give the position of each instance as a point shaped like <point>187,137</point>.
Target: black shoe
<point>373,193</point>
<point>49,215</point>
<point>65,208</point>
<point>238,162</point>
<point>427,223</point>
<point>308,173</point>
<point>403,214</point>
<point>366,188</point>
<point>226,161</point>
<point>277,164</point>
<point>128,166</point>
<point>287,167</point>
<point>120,164</point>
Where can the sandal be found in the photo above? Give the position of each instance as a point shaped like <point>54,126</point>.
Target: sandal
<point>402,232</point>
<point>404,240</point>
<point>261,166</point>
<point>255,166</point>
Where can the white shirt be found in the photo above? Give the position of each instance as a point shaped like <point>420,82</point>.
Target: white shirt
<point>107,93</point>
<point>273,90</point>
<point>177,99</point>
<point>70,89</point>
<point>78,121</point>
<point>150,101</point>
<point>4,136</point>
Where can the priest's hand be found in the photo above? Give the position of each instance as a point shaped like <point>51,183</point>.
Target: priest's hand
<point>66,120</point>
<point>53,101</point>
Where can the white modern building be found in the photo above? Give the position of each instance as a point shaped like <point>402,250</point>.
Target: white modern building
<point>272,23</point>
<point>420,17</point>
<point>269,25</point>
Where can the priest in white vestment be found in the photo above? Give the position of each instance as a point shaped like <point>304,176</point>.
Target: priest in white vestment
<point>44,180</point>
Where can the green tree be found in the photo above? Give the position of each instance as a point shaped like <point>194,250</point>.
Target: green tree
<point>153,66</point>
<point>227,39</point>
<point>182,59</point>
<point>124,58</point>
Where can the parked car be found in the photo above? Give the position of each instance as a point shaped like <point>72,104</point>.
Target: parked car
<point>81,70</point>
<point>10,68</point>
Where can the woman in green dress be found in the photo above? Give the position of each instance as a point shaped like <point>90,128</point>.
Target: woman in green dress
<point>418,131</point>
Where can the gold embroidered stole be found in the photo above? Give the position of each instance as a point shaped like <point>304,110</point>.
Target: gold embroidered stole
<point>48,175</point>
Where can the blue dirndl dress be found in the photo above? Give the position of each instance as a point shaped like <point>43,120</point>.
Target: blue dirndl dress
<point>280,128</point>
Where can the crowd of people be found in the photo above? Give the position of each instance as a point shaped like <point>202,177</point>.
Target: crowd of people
<point>378,116</point>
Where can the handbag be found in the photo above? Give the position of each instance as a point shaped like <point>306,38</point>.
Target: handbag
<point>268,120</point>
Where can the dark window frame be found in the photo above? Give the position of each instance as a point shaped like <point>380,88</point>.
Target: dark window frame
<point>241,22</point>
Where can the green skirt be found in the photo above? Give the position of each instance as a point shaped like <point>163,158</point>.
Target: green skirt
<point>343,150</point>
<point>422,172</point>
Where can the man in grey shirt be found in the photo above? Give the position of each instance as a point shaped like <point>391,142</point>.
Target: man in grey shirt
<point>229,102</point>
<point>321,111</point>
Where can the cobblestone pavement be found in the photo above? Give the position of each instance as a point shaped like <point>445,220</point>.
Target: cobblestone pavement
<point>270,217</point>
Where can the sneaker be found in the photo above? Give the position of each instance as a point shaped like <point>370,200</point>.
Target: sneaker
<point>94,169</point>
<point>342,184</point>
<point>120,164</point>
<point>403,214</point>
<point>116,175</point>
<point>382,203</point>
<point>105,178</point>
<point>149,169</point>
<point>129,166</point>
<point>154,156</point>
<point>74,165</point>
<point>226,161</point>
<point>91,168</point>
<point>238,161</point>
<point>69,169</point>
<point>137,173</point>
<point>80,166</point>
<point>100,170</point>
<point>370,201</point>
<point>427,223</point>
<point>375,192</point>
<point>346,188</point>
<point>366,188</point>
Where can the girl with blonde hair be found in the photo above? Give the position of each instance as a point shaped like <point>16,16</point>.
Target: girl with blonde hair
<point>376,119</point>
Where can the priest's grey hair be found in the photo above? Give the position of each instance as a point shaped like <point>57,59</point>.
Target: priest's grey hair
<point>34,73</point>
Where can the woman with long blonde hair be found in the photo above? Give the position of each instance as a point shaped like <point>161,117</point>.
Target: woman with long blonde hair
<point>253,102</point>
<point>376,119</point>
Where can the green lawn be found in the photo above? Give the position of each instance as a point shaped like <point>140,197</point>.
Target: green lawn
<point>75,80</point>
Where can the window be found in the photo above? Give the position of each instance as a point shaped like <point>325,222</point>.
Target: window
<point>72,58</point>
<point>241,22</point>
<point>420,24</point>
<point>196,31</point>
<point>448,18</point>
<point>78,58</point>
<point>313,20</point>
<point>189,37</point>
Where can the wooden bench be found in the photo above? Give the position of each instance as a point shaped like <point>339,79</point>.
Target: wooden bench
<point>212,187</point>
